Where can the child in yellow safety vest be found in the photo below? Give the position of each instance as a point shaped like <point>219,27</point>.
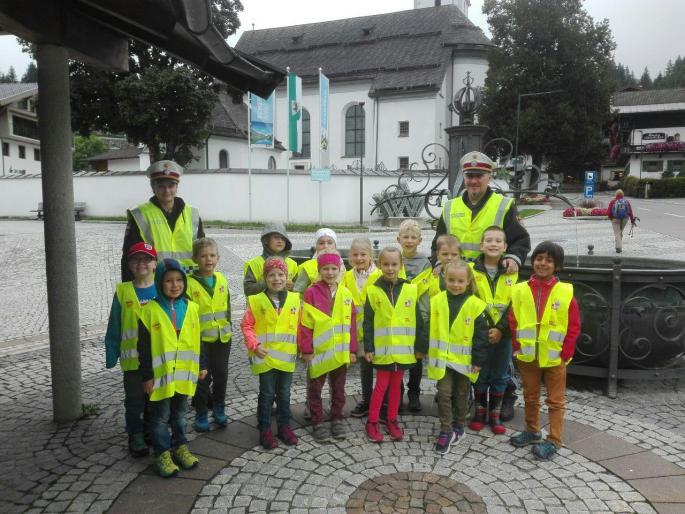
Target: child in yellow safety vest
<point>394,338</point>
<point>327,341</point>
<point>121,339</point>
<point>545,323</point>
<point>457,349</point>
<point>494,286</point>
<point>357,280</point>
<point>275,243</point>
<point>325,240</point>
<point>269,327</point>
<point>430,284</point>
<point>209,289</point>
<point>171,363</point>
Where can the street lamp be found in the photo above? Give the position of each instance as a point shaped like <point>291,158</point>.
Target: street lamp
<point>361,171</point>
<point>518,113</point>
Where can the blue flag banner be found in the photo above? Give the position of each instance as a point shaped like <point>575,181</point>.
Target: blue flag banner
<point>262,121</point>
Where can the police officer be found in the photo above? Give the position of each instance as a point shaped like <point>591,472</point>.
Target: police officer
<point>165,221</point>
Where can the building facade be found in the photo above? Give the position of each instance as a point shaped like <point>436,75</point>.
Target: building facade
<point>19,129</point>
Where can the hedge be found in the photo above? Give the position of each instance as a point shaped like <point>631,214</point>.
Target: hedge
<point>661,188</point>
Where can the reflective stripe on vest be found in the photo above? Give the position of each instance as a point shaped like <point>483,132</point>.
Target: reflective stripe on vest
<point>544,340</point>
<point>359,297</point>
<point>256,266</point>
<point>458,221</point>
<point>331,334</point>
<point>154,228</point>
<point>130,314</point>
<point>276,332</point>
<point>214,323</point>
<point>175,358</point>
<point>394,327</point>
<point>497,304</point>
<point>451,346</point>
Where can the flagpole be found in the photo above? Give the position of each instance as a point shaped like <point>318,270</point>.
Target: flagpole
<point>287,153</point>
<point>320,156</point>
<point>249,155</point>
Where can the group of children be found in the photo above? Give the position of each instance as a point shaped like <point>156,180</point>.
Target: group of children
<point>460,320</point>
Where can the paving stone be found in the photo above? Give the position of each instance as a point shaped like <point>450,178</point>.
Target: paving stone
<point>661,490</point>
<point>642,465</point>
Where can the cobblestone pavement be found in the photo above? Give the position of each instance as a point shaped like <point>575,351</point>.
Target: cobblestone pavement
<point>84,466</point>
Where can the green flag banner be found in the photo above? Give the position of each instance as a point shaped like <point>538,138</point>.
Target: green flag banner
<point>294,113</point>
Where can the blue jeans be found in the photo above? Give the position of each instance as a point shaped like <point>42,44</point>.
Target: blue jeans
<point>496,372</point>
<point>135,402</point>
<point>274,384</point>
<point>163,413</point>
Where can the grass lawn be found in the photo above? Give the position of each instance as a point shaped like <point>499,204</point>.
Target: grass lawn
<point>527,213</point>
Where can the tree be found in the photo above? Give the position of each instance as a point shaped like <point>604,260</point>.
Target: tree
<point>546,45</point>
<point>85,147</point>
<point>31,74</point>
<point>169,121</point>
<point>9,77</point>
<point>645,79</point>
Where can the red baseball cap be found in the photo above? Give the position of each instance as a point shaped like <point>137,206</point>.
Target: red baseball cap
<point>141,247</point>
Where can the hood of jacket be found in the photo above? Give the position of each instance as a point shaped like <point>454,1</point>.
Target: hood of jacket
<point>163,267</point>
<point>275,228</point>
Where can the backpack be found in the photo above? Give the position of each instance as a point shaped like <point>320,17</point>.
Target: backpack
<point>620,209</point>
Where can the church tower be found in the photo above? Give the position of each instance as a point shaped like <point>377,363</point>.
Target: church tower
<point>462,4</point>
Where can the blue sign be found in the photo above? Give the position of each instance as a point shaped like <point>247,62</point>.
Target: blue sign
<point>262,121</point>
<point>589,191</point>
<point>321,174</point>
<point>590,177</point>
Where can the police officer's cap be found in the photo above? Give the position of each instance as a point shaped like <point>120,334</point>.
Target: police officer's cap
<point>476,163</point>
<point>165,170</point>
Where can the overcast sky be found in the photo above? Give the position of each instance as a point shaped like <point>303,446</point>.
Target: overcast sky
<point>646,33</point>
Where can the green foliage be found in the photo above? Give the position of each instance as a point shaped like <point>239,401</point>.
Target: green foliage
<point>663,188</point>
<point>622,76</point>
<point>645,80</point>
<point>673,77</point>
<point>667,174</point>
<point>90,410</point>
<point>545,45</point>
<point>85,147</point>
<point>31,74</point>
<point>9,77</point>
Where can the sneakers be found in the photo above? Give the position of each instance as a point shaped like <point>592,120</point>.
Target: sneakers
<point>373,432</point>
<point>201,422</point>
<point>136,445</point>
<point>267,440</point>
<point>165,465</point>
<point>321,433</point>
<point>526,438</point>
<point>360,410</point>
<point>458,435</point>
<point>544,451</point>
<point>220,417</point>
<point>338,430</point>
<point>286,434</point>
<point>393,429</point>
<point>184,458</point>
<point>414,402</point>
<point>444,442</point>
<point>507,410</point>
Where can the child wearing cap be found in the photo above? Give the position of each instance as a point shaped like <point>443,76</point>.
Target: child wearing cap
<point>269,328</point>
<point>209,289</point>
<point>327,340</point>
<point>121,339</point>
<point>325,239</point>
<point>171,363</point>
<point>275,243</point>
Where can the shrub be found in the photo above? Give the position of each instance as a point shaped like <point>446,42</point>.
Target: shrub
<point>667,174</point>
<point>681,174</point>
<point>664,188</point>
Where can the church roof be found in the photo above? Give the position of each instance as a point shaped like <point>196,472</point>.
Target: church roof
<point>400,51</point>
<point>649,97</point>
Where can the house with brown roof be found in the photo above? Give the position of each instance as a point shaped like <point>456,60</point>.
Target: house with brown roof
<point>19,129</point>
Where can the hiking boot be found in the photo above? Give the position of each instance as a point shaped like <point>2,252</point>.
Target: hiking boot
<point>444,442</point>
<point>360,410</point>
<point>393,429</point>
<point>184,458</point>
<point>338,430</point>
<point>267,439</point>
<point>458,435</point>
<point>201,422</point>
<point>414,402</point>
<point>220,417</point>
<point>496,425</point>
<point>286,434</point>
<point>373,432</point>
<point>136,445</point>
<point>507,409</point>
<point>525,438</point>
<point>165,465</point>
<point>479,417</point>
<point>544,451</point>
<point>321,433</point>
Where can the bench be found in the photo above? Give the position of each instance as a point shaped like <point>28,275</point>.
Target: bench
<point>79,208</point>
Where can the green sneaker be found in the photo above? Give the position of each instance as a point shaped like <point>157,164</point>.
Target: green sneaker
<point>184,458</point>
<point>526,438</point>
<point>137,446</point>
<point>165,466</point>
<point>544,451</point>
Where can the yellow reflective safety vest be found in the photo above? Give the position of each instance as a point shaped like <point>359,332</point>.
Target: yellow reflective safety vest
<point>459,222</point>
<point>130,314</point>
<point>256,265</point>
<point>331,333</point>
<point>175,358</point>
<point>394,327</point>
<point>214,324</point>
<point>276,333</point>
<point>544,340</point>
<point>359,297</point>
<point>154,229</point>
<point>422,281</point>
<point>450,346</point>
<point>311,268</point>
<point>497,303</point>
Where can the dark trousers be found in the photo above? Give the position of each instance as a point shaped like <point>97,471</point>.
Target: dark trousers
<point>170,412</point>
<point>414,382</point>
<point>495,374</point>
<point>366,375</point>
<point>214,384</point>
<point>336,381</point>
<point>453,400</point>
<point>135,402</point>
<point>274,384</point>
